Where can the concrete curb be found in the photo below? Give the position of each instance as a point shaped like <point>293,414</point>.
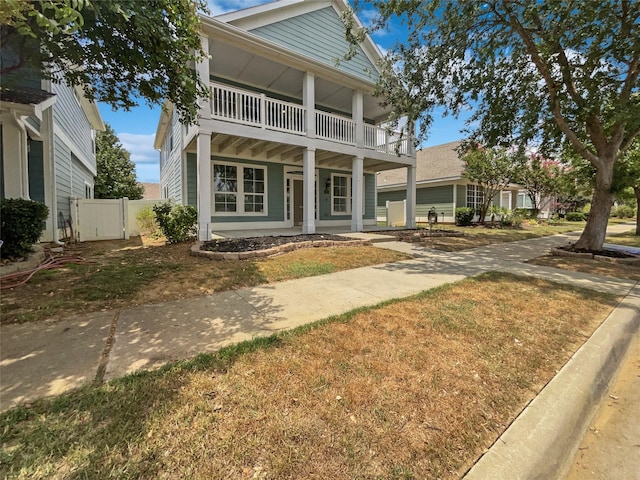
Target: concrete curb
<point>541,442</point>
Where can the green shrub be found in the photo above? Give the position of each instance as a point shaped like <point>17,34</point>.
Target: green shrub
<point>21,225</point>
<point>147,223</point>
<point>575,216</point>
<point>464,216</point>
<point>178,223</point>
<point>514,220</point>
<point>623,211</point>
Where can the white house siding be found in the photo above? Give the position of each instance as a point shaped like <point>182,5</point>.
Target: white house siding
<point>71,122</point>
<point>171,163</point>
<point>319,35</point>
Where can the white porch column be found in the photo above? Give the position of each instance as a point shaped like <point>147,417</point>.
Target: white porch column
<point>309,103</point>
<point>309,191</point>
<point>15,155</point>
<point>202,69</point>
<point>204,186</point>
<point>411,197</point>
<point>357,115</point>
<point>357,188</point>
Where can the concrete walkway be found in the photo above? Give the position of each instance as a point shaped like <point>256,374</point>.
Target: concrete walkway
<point>43,359</point>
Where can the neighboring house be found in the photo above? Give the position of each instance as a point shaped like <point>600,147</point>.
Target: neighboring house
<point>290,136</point>
<point>151,191</point>
<point>47,141</point>
<point>440,183</point>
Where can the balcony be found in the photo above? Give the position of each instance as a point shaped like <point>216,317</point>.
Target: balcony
<point>260,111</point>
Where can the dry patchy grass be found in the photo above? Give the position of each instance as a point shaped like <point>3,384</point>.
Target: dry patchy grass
<point>594,267</point>
<point>479,236</point>
<point>144,271</point>
<point>417,388</point>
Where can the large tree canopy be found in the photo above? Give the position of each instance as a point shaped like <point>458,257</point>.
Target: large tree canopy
<point>535,72</point>
<point>116,176</point>
<point>118,51</point>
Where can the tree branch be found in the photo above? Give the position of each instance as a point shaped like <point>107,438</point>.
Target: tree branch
<point>551,87</point>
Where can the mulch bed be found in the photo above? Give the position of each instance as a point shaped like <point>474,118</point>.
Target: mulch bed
<point>262,243</point>
<point>606,255</point>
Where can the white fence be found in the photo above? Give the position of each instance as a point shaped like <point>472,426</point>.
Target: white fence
<point>94,219</point>
<point>397,213</point>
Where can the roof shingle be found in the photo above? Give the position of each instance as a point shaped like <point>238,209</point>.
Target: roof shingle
<point>433,164</point>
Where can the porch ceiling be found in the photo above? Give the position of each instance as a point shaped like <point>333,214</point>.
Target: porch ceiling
<point>245,67</point>
<point>268,151</point>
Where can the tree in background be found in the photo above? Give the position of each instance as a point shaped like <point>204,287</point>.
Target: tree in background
<point>539,73</point>
<point>117,51</point>
<point>116,176</point>
<point>492,169</point>
<point>539,177</point>
<point>628,175</point>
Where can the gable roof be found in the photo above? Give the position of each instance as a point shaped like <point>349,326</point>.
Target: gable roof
<point>308,27</point>
<point>433,164</point>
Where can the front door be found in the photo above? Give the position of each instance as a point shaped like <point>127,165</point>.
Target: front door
<point>297,202</point>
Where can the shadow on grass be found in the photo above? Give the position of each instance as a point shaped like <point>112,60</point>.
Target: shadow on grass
<point>89,432</point>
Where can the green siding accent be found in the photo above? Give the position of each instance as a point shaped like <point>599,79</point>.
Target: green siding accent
<point>461,196</point>
<point>275,194</point>
<point>324,199</point>
<point>369,196</point>
<point>36,171</point>
<point>440,197</point>
<point>395,196</point>
<point>192,179</point>
<point>319,35</point>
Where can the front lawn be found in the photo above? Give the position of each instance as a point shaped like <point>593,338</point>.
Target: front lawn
<point>416,388</point>
<point>140,271</point>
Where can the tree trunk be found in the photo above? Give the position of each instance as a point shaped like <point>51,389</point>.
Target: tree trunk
<point>595,230</point>
<point>636,190</point>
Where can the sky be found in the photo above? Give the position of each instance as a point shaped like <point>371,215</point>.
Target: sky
<point>136,128</point>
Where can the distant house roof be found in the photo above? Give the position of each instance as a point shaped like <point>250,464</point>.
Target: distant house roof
<point>151,191</point>
<point>433,164</point>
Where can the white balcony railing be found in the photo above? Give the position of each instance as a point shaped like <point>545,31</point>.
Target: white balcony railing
<point>335,128</point>
<point>258,110</point>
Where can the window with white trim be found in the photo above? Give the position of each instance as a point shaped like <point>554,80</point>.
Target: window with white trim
<point>239,189</point>
<point>340,194</point>
<point>475,196</point>
<point>88,190</point>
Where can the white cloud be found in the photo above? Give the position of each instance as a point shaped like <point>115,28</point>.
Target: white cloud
<point>143,154</point>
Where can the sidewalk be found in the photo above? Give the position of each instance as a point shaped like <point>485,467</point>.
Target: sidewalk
<point>52,357</point>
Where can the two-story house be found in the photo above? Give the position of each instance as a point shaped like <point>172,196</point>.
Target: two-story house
<point>291,136</point>
<point>47,140</point>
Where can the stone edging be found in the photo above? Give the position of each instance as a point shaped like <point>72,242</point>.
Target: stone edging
<point>270,252</point>
<point>34,259</point>
<point>559,252</point>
